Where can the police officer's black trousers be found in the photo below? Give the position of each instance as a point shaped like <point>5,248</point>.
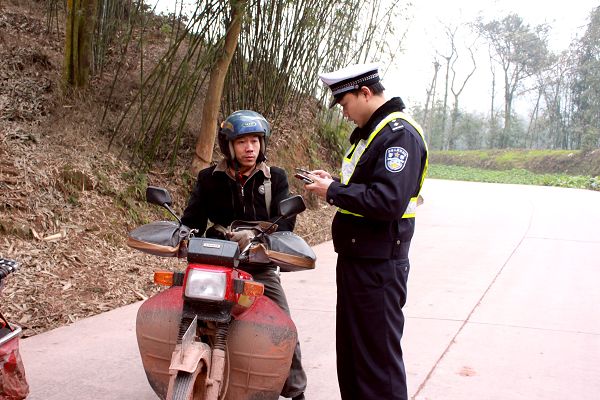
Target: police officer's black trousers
<point>369,326</point>
<point>296,381</point>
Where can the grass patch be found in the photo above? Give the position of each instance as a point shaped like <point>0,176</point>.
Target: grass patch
<point>568,162</point>
<point>514,176</point>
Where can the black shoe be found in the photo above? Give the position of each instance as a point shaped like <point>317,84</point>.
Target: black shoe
<point>299,397</point>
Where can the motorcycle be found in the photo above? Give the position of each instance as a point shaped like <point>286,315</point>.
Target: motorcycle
<point>13,383</point>
<point>212,334</point>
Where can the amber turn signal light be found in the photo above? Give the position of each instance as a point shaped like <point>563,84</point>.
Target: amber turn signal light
<point>252,288</point>
<point>163,278</point>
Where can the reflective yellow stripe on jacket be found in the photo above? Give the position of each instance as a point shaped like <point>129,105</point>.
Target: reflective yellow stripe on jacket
<point>357,150</point>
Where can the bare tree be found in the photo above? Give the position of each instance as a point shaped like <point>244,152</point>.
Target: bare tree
<point>492,130</point>
<point>549,116</point>
<point>456,92</point>
<point>430,99</point>
<point>521,51</point>
<point>450,32</point>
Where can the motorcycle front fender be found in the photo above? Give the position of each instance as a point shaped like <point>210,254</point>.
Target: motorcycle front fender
<point>194,359</point>
<point>189,358</point>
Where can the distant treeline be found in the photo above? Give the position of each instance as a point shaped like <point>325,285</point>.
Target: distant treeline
<point>564,88</point>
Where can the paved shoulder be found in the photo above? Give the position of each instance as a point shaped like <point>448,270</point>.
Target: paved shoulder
<point>95,358</point>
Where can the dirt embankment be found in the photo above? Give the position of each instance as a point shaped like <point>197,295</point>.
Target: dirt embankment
<point>67,200</point>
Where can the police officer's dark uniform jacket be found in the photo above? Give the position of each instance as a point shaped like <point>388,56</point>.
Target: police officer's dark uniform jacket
<point>377,192</point>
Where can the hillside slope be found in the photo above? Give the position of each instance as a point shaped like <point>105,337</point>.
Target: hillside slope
<point>68,200</point>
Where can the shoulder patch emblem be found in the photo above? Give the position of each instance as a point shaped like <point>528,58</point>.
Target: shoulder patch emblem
<point>395,159</point>
<point>396,125</point>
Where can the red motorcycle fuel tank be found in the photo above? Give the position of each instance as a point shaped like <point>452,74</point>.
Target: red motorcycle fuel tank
<point>260,345</point>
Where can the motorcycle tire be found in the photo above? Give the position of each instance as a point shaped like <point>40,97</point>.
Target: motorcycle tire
<point>183,386</point>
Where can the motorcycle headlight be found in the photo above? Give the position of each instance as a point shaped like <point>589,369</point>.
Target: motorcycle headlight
<point>205,285</point>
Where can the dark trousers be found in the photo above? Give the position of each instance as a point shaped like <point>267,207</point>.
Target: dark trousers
<point>296,381</point>
<point>369,326</point>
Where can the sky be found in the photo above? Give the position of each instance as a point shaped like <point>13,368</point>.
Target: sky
<point>411,72</point>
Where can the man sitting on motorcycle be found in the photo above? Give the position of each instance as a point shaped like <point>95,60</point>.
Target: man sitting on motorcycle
<point>243,187</point>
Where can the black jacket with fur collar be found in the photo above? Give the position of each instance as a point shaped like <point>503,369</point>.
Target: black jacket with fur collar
<point>220,199</point>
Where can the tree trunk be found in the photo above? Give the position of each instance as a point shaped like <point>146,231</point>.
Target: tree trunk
<point>492,130</point>
<point>507,111</point>
<point>444,115</point>
<point>212,101</point>
<point>532,127</point>
<point>78,41</point>
<point>430,96</point>
<point>453,120</point>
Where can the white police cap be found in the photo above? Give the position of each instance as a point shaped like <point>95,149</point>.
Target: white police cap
<point>350,78</point>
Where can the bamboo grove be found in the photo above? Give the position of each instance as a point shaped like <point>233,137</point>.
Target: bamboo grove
<point>277,54</point>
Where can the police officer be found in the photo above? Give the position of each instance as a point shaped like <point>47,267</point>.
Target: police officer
<point>376,195</point>
<point>243,187</point>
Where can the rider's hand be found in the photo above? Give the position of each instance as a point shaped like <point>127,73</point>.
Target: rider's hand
<point>242,237</point>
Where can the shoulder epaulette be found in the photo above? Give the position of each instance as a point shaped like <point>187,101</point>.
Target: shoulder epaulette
<point>396,125</point>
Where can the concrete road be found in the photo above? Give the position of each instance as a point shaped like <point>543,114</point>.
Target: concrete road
<point>503,304</point>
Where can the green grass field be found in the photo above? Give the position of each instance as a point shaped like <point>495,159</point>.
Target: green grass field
<point>516,176</point>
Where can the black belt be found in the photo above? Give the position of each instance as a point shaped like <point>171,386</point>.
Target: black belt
<point>387,251</point>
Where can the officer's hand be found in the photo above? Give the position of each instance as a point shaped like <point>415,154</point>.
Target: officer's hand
<point>320,185</point>
<point>242,237</point>
<point>321,174</point>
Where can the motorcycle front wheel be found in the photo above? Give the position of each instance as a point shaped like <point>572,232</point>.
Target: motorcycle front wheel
<point>184,388</point>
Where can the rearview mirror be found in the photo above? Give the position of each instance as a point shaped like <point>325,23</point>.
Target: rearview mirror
<point>157,195</point>
<point>291,206</point>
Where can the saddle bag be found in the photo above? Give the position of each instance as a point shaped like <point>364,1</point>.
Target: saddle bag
<point>13,383</point>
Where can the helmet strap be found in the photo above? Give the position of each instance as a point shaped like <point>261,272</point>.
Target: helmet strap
<point>262,153</point>
<point>232,151</point>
